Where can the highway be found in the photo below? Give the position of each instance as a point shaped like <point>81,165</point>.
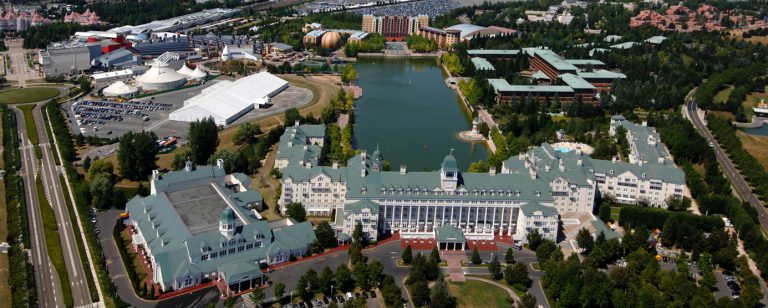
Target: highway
<point>737,180</point>
<point>51,182</point>
<point>69,243</point>
<point>46,279</point>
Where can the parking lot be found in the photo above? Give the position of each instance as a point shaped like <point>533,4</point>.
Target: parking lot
<point>109,118</point>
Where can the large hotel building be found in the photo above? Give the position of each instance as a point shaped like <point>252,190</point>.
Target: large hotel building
<point>394,26</point>
<point>529,192</point>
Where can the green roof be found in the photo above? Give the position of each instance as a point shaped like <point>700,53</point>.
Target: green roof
<point>248,196</point>
<point>482,64</point>
<point>576,82</point>
<point>176,177</point>
<point>358,206</point>
<point>449,233</point>
<point>237,271</point>
<point>554,60</point>
<point>532,207</point>
<point>294,144</point>
<point>449,163</point>
<point>502,85</point>
<point>227,215</point>
<point>493,52</point>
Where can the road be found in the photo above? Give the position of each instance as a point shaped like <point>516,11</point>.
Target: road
<point>49,293</point>
<point>69,243</point>
<point>21,71</point>
<point>737,180</point>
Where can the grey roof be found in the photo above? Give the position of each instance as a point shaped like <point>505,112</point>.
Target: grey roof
<point>248,196</point>
<point>358,206</point>
<point>576,82</point>
<point>482,64</point>
<point>612,38</point>
<point>625,45</point>
<point>666,173</point>
<point>243,178</point>
<point>531,207</point>
<point>597,50</point>
<point>493,52</point>
<point>449,233</point>
<point>601,74</point>
<point>466,29</point>
<point>282,46</point>
<point>656,39</point>
<point>584,62</point>
<point>295,144</point>
<point>601,227</point>
<point>540,75</point>
<point>647,142</point>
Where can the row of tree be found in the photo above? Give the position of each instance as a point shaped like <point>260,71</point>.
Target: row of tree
<point>749,166</point>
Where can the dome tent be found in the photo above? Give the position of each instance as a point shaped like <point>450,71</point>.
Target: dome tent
<point>161,77</point>
<point>120,88</point>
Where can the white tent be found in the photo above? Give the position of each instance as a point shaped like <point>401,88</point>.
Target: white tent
<point>184,70</point>
<point>161,77</point>
<point>227,100</point>
<point>198,74</point>
<point>120,88</point>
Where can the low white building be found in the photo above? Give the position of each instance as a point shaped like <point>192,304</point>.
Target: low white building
<point>228,100</point>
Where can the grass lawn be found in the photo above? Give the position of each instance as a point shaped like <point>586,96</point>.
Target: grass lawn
<point>722,96</point>
<point>615,213</point>
<point>473,293</point>
<point>5,287</point>
<point>29,123</point>
<point>27,95</point>
<point>53,243</point>
<point>755,145</point>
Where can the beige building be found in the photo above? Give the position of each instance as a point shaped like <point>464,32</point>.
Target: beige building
<point>364,212</point>
<point>534,216</point>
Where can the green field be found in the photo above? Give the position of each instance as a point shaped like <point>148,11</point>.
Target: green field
<point>27,95</point>
<point>473,293</point>
<point>722,96</point>
<point>53,244</point>
<point>29,123</point>
<point>615,210</point>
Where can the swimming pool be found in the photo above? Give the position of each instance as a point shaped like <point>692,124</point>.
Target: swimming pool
<point>563,150</point>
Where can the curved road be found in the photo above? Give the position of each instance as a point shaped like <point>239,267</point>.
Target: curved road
<point>742,187</point>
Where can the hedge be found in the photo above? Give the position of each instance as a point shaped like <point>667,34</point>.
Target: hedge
<point>636,216</point>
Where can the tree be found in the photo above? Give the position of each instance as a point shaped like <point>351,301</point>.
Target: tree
<point>605,211</point>
<point>102,191</point>
<point>420,293</point>
<point>476,260</point>
<point>357,235</point>
<point>517,274</point>
<point>361,275</point>
<point>257,296</point>
<point>325,281</point>
<point>87,163</point>
<point>302,288</point>
<point>682,264</point>
<point>407,255</point>
<point>203,139</point>
<point>234,161</point>
<point>545,250</point>
<point>344,279</point>
<point>296,211</point>
<point>375,271</point>
<point>534,239</point>
<point>279,290</point>
<point>246,134</point>
<point>136,154</point>
<point>707,276</point>
<point>434,256</point>
<point>509,258</point>
<point>495,268</point>
<point>678,204</point>
<point>291,116</point>
<point>585,240</point>
<point>181,157</point>
<point>325,235</point>
<point>440,297</point>
<point>528,300</point>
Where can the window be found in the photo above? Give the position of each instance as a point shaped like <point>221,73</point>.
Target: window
<point>214,255</point>
<point>232,250</point>
<point>223,252</point>
<point>204,257</point>
<point>241,248</point>
<point>249,246</point>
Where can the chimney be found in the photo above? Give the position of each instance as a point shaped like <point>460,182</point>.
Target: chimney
<point>579,162</point>
<point>645,123</point>
<point>562,165</point>
<point>220,163</point>
<point>527,164</point>
<point>640,162</point>
<point>521,156</point>
<point>546,167</point>
<point>296,123</point>
<point>402,169</point>
<point>188,166</point>
<point>155,175</point>
<point>533,174</point>
<point>290,143</point>
<point>661,160</point>
<point>305,147</point>
<point>362,154</point>
<point>308,165</point>
<point>613,159</point>
<point>492,170</point>
<point>335,165</point>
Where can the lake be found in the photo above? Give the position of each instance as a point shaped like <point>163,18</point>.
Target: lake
<point>408,112</point>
